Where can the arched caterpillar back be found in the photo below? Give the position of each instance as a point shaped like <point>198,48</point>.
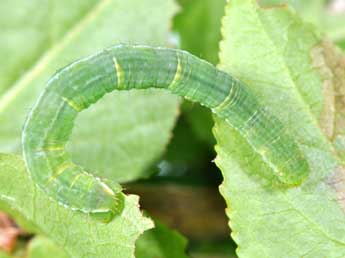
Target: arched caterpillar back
<point>125,67</point>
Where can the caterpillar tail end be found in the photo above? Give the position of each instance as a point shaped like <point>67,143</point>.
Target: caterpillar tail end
<point>115,209</point>
<point>110,201</point>
<point>296,175</point>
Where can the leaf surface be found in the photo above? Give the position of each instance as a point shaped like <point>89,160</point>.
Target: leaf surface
<point>271,51</point>
<point>42,247</point>
<point>161,242</point>
<point>125,132</point>
<point>324,14</point>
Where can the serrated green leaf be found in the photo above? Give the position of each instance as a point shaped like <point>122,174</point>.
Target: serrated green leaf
<point>160,242</point>
<point>270,50</point>
<point>77,234</point>
<point>125,132</point>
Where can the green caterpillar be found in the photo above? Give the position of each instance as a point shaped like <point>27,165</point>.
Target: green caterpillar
<point>124,67</point>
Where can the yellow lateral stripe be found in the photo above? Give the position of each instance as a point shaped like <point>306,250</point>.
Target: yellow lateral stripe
<point>178,73</point>
<point>50,180</point>
<point>119,73</point>
<point>61,169</point>
<point>90,185</point>
<point>72,104</point>
<point>107,189</point>
<point>53,148</point>
<point>229,99</point>
<point>75,179</point>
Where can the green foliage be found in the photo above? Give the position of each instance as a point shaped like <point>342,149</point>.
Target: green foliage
<point>318,12</point>
<point>161,242</point>
<point>198,25</point>
<point>126,141</point>
<point>219,249</point>
<point>276,62</point>
<point>283,59</point>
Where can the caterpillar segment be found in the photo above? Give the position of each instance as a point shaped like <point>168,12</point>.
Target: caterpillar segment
<point>125,67</point>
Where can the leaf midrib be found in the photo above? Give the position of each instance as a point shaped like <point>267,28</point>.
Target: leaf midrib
<point>288,71</point>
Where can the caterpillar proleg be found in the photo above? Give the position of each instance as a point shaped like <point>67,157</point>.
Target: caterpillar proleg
<point>124,67</point>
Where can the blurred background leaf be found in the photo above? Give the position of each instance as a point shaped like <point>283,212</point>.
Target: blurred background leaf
<point>161,242</point>
<point>3,255</point>
<point>198,25</point>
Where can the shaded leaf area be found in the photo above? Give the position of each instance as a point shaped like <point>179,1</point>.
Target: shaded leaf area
<point>323,13</point>
<point>215,249</point>
<point>196,211</point>
<point>161,242</point>
<point>276,63</point>
<point>188,157</point>
<point>198,25</point>
<point>78,234</point>
<point>198,28</point>
<point>200,120</point>
<point>98,134</point>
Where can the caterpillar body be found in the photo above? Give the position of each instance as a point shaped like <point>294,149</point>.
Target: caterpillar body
<point>124,67</point>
